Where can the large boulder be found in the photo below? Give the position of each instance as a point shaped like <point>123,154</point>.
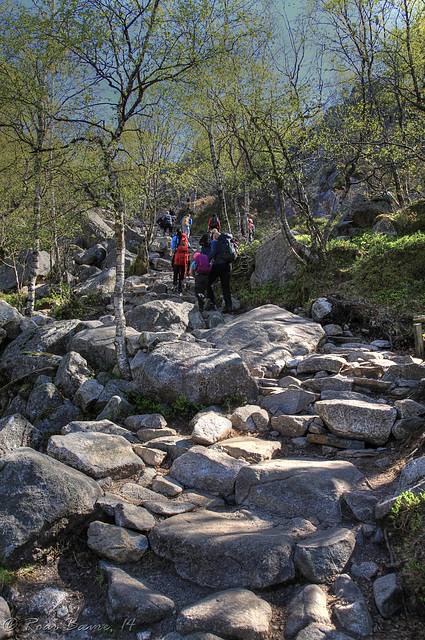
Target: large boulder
<point>97,346</point>
<point>39,498</point>
<point>274,262</point>
<point>222,550</point>
<point>297,488</point>
<point>186,369</point>
<point>16,432</point>
<point>357,420</point>
<point>37,348</point>
<point>267,337</point>
<point>103,284</point>
<point>10,320</point>
<point>365,210</point>
<point>97,454</point>
<point>94,229</point>
<point>23,266</point>
<point>160,315</point>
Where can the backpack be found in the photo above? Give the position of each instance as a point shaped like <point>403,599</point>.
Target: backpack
<point>202,264</point>
<point>205,241</point>
<point>226,248</point>
<point>214,223</point>
<point>185,221</point>
<point>181,255</point>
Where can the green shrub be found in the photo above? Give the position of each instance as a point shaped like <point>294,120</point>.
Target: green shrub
<point>406,525</point>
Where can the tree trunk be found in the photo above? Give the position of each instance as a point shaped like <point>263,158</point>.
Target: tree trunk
<point>36,222</point>
<point>120,324</point>
<point>219,179</point>
<point>247,206</point>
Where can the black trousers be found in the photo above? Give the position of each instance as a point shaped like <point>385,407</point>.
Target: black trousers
<point>201,286</point>
<point>222,272</point>
<point>179,272</point>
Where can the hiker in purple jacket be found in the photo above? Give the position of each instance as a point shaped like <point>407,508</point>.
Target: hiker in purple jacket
<point>200,270</point>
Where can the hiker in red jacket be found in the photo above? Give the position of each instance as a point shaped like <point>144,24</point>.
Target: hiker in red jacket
<point>213,223</point>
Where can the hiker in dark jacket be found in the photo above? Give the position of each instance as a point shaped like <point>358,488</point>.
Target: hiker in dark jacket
<point>220,269</point>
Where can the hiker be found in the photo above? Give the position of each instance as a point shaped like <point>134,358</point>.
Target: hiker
<point>223,253</point>
<point>200,269</point>
<point>213,223</point>
<point>165,222</point>
<point>186,223</point>
<point>180,258</point>
<point>251,230</point>
<point>205,244</point>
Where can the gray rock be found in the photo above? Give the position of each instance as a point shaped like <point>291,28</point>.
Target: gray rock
<point>403,373</point>
<point>94,229</point>
<point>116,409</point>
<point>360,505</point>
<point>96,454</point>
<point>388,595</point>
<point>137,493</point>
<point>114,387</point>
<point>115,543</point>
<point>52,421</point>
<point>23,266</point>
<point>167,508</point>
<point>358,420</point>
<point>43,398</point>
<point>207,470</point>
<point>210,427</point>
<point>146,434</point>
<point>131,599</point>
<point>238,613</point>
<point>324,554</point>
<point>318,631</point>
<point>321,308</point>
<point>174,446</point>
<point>96,345</point>
<point>291,426</point>
<point>352,614</point>
<point>131,517</point>
<point>249,448</point>
<point>10,320</point>
<point>293,488</point>
<point>330,383</point>
<point>309,605</point>
<point>97,426</point>
<point>150,456</point>
<point>250,418</point>
<point>317,362</point>
<point>47,600</point>
<point>252,554</point>
<point>409,408</point>
<point>16,432</point>
<point>289,401</point>
<point>366,569</point>
<point>150,420</point>
<point>88,394</point>
<point>181,369</point>
<point>412,473</point>
<point>5,618</point>
<point>267,337</point>
<point>167,486</point>
<point>160,315</point>
<point>103,284</point>
<point>72,372</point>
<point>275,262</point>
<point>39,498</point>
<point>93,256</point>
<point>404,428</point>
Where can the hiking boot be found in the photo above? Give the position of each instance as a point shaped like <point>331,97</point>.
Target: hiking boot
<point>226,310</point>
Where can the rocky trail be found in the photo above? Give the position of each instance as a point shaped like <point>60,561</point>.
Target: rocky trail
<point>259,522</point>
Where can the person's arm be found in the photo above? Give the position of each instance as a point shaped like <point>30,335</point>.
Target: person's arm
<point>213,249</point>
<point>192,271</point>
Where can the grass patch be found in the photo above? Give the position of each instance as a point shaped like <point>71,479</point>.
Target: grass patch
<point>406,525</point>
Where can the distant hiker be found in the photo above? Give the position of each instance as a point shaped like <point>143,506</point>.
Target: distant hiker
<point>205,243</point>
<point>251,230</point>
<point>223,253</point>
<point>186,223</point>
<point>165,222</point>
<point>200,269</point>
<point>213,223</point>
<point>180,252</point>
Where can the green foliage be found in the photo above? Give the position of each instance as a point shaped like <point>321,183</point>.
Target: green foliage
<point>180,408</point>
<point>84,307</point>
<point>411,219</point>
<point>406,524</point>
<point>232,401</point>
